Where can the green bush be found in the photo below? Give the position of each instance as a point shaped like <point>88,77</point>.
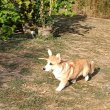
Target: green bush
<point>26,12</point>
<point>48,8</point>
<point>8,18</point>
<point>14,13</point>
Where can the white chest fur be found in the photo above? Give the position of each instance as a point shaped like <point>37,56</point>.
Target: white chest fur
<point>57,73</point>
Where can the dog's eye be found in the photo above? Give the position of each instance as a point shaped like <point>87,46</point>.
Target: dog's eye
<point>51,64</point>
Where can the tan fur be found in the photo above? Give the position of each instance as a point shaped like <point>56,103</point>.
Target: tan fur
<point>68,70</point>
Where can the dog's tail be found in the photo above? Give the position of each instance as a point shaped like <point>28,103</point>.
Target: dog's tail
<point>92,67</point>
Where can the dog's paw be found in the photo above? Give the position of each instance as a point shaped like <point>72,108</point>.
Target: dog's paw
<point>58,89</point>
<point>87,78</point>
<point>73,81</point>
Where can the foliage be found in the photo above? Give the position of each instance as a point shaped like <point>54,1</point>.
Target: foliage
<point>25,8</point>
<point>66,5</point>
<point>21,12</point>
<point>8,18</point>
<point>14,13</point>
<point>48,8</point>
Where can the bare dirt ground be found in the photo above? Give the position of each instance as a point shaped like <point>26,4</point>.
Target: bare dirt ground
<point>23,84</point>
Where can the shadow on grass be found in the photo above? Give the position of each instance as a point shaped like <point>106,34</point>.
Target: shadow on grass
<point>96,71</point>
<point>69,24</point>
<point>5,46</point>
<point>18,64</point>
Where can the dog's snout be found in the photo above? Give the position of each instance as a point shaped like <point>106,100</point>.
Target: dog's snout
<point>43,68</point>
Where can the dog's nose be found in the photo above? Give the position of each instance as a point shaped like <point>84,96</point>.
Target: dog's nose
<point>43,68</point>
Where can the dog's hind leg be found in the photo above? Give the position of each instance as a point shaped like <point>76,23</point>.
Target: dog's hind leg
<point>92,67</point>
<point>86,73</point>
<point>75,75</point>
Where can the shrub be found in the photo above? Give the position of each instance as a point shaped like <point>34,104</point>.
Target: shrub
<point>25,13</point>
<point>8,18</point>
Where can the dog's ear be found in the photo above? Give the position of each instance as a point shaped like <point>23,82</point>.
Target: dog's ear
<point>58,56</point>
<point>49,52</point>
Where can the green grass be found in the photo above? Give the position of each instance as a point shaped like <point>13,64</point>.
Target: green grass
<point>12,65</point>
<point>9,45</point>
<point>35,101</point>
<point>16,83</point>
<point>22,100</point>
<point>48,79</point>
<point>25,71</point>
<point>106,70</point>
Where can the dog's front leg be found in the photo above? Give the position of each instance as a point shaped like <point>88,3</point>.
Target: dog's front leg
<point>62,85</point>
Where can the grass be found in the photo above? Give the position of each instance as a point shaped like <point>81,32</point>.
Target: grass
<point>25,71</point>
<point>33,102</point>
<point>16,84</point>
<point>28,87</point>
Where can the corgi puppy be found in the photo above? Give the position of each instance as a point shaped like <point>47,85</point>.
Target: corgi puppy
<point>66,71</point>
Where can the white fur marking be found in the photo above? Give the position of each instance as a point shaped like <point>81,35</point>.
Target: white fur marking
<point>57,73</point>
<point>60,87</point>
<point>48,67</point>
<point>87,78</point>
<point>73,81</point>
